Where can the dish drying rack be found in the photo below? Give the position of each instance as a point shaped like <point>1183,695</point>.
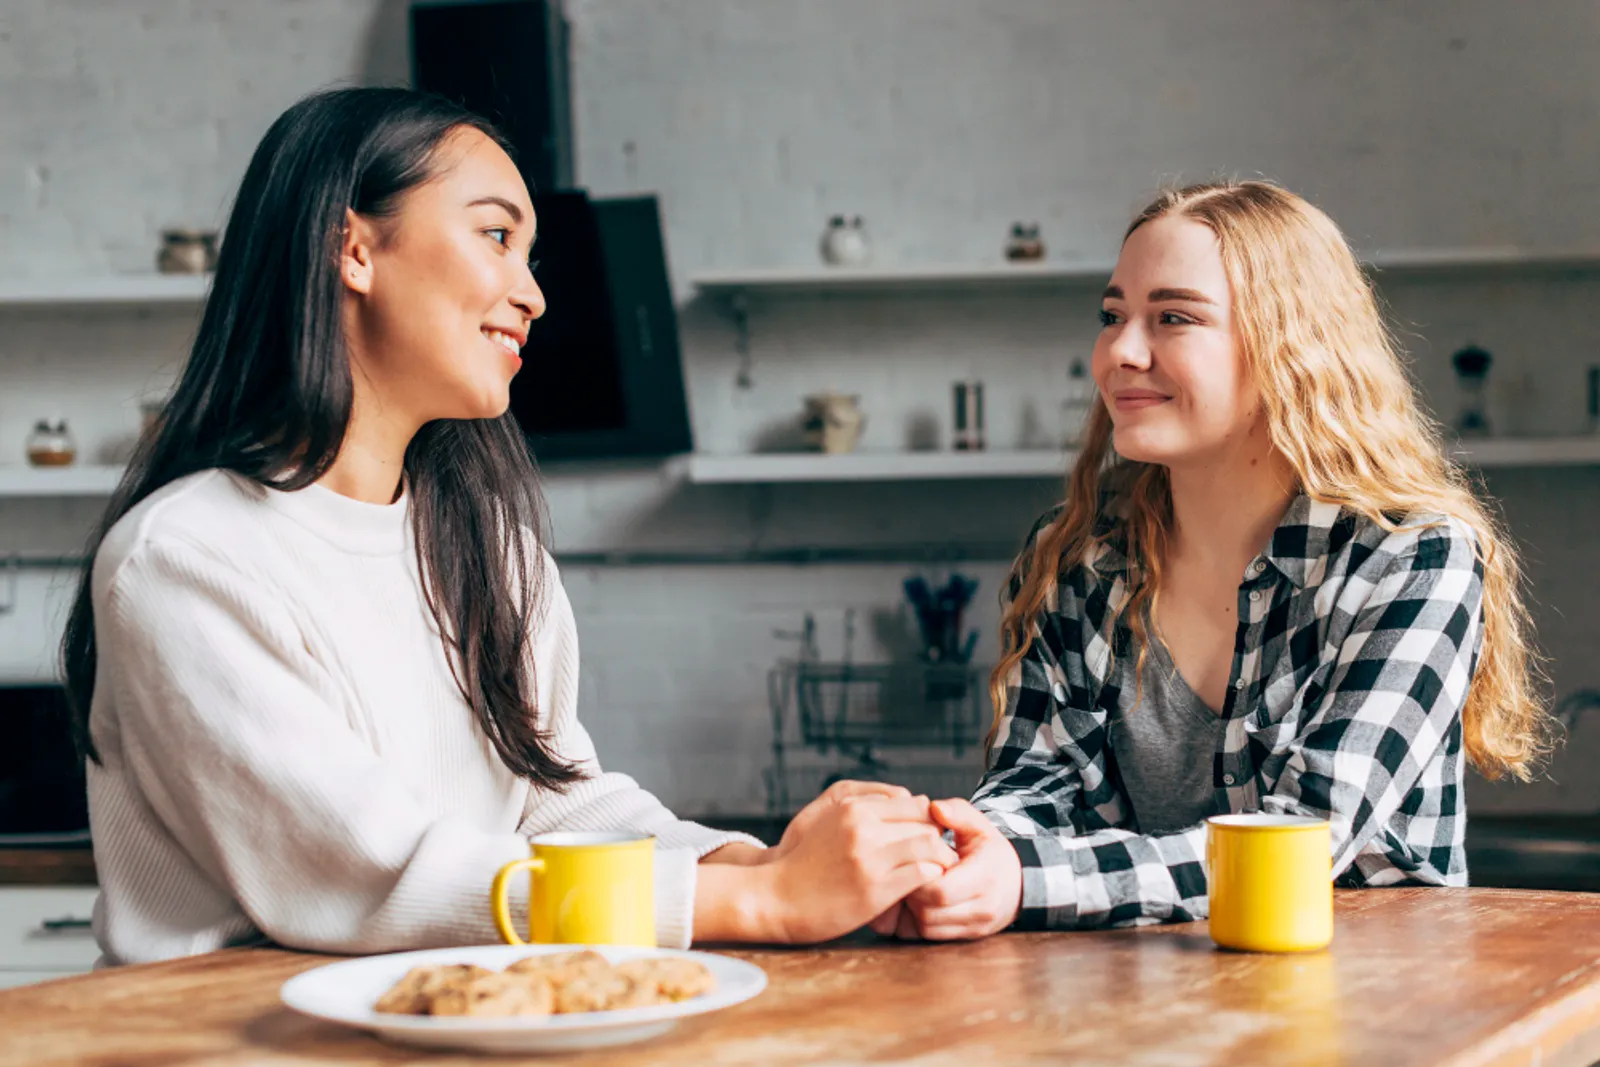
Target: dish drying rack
<point>855,713</point>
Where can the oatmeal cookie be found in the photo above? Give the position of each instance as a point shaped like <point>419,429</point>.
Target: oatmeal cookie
<point>562,967</point>
<point>595,991</point>
<point>413,994</point>
<point>492,994</point>
<point>672,978</point>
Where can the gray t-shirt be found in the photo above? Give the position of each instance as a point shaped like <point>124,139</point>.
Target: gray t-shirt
<point>1165,746</point>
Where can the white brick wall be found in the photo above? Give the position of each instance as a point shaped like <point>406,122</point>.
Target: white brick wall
<point>1432,124</point>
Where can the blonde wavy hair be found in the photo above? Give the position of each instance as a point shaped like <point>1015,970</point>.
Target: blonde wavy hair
<point>1340,407</point>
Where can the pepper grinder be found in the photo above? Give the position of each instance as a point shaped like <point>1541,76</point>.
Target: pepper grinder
<point>1472,370</point>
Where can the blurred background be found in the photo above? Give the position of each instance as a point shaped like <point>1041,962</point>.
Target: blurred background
<point>823,277</point>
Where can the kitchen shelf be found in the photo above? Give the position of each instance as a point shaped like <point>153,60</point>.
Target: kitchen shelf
<point>801,281</point>
<point>58,481</point>
<point>123,289</point>
<point>773,467</point>
<point>1579,451</point>
<point>761,467</point>
<point>758,468</point>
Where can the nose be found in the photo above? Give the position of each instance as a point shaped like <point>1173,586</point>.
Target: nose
<point>1130,347</point>
<point>527,297</point>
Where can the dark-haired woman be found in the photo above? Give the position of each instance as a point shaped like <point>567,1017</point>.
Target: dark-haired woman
<point>322,664</point>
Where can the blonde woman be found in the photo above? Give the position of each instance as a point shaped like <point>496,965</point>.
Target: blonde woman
<point>1277,594</point>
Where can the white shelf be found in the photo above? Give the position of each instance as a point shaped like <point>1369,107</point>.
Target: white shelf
<point>771,467</point>
<point>1582,451</point>
<point>58,481</point>
<point>761,467</point>
<point>840,279</point>
<point>823,279</point>
<point>768,467</point>
<point>110,289</point>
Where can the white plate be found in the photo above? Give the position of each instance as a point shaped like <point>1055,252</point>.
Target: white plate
<point>345,993</point>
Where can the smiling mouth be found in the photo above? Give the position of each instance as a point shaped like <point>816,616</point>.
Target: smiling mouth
<point>505,341</point>
<point>1137,400</point>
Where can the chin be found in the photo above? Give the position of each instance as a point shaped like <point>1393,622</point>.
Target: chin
<point>1143,444</point>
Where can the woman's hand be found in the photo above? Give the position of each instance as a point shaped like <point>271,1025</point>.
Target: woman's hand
<point>849,856</point>
<point>979,896</point>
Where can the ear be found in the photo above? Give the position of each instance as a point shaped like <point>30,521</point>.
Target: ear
<point>355,253</point>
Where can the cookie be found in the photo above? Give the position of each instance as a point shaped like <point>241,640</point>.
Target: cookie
<point>594,991</point>
<point>671,978</point>
<point>562,967</point>
<point>496,995</point>
<point>413,994</point>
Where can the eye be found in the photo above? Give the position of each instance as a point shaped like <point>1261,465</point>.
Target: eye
<point>1108,318</point>
<point>1173,318</point>
<point>498,234</point>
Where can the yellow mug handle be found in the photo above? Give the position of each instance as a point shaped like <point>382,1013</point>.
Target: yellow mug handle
<point>497,897</point>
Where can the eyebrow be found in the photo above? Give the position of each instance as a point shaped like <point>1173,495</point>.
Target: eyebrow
<point>501,202</point>
<point>1193,296</point>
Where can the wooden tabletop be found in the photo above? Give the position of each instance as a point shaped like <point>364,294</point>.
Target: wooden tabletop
<point>1459,977</point>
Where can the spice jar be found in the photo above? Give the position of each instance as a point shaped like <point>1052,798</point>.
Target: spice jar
<point>187,251</point>
<point>51,444</point>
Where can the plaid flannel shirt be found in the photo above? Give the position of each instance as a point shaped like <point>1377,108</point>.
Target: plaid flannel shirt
<point>1351,664</point>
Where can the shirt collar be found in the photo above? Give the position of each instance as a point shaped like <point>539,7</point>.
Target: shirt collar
<point>1299,546</point>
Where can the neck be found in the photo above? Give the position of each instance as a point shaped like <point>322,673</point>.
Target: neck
<point>371,460</point>
<point>1225,511</point>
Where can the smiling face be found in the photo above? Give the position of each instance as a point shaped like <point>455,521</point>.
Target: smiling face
<point>1168,360</point>
<point>441,293</point>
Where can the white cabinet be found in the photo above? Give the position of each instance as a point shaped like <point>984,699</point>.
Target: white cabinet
<point>44,932</point>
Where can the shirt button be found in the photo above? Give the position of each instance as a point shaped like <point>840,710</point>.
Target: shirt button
<point>1228,779</point>
<point>1238,683</point>
<point>1255,595</point>
<point>1257,567</point>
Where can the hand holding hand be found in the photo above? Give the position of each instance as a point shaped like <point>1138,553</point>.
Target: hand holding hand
<point>979,896</point>
<point>850,855</point>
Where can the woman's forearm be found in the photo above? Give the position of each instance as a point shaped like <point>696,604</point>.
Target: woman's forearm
<point>735,901</point>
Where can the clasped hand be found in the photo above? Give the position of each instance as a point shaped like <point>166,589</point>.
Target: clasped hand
<point>868,852</point>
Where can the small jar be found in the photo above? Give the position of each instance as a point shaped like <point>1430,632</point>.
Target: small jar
<point>51,444</point>
<point>187,251</point>
<point>845,242</point>
<point>1024,245</point>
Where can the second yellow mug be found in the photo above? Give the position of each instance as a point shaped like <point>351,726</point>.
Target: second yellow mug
<point>587,889</point>
<point>1271,882</point>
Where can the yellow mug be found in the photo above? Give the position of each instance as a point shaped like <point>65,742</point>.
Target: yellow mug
<point>1271,882</point>
<point>587,889</point>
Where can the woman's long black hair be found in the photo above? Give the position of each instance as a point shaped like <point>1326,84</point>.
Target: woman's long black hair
<point>267,393</point>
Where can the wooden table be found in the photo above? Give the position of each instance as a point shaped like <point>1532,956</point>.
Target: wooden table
<point>1415,976</point>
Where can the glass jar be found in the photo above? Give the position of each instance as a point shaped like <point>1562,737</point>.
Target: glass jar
<point>51,444</point>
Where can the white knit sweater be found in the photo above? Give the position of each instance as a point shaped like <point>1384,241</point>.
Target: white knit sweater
<point>286,755</point>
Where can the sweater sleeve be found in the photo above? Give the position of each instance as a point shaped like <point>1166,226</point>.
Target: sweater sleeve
<point>611,801</point>
<point>237,737</point>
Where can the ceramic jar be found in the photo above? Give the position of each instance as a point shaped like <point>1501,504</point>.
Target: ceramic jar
<point>845,242</point>
<point>833,422</point>
<point>51,444</point>
<point>187,251</point>
<point>1024,245</point>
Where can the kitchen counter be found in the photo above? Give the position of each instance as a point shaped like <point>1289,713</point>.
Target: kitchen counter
<point>47,866</point>
<point>1415,978</point>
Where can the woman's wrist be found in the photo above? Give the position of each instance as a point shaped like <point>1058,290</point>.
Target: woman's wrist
<point>737,853</point>
<point>738,902</point>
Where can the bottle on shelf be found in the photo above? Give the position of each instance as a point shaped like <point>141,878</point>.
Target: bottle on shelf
<point>1472,372</point>
<point>967,416</point>
<point>1080,400</point>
